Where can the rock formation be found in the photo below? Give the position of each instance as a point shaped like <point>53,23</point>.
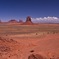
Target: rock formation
<point>28,21</point>
<point>37,56</point>
<point>13,21</point>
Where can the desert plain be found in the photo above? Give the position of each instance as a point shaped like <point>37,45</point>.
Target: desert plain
<point>40,41</point>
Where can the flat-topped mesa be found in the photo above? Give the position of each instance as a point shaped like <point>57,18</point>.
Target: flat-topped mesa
<point>13,21</point>
<point>28,21</point>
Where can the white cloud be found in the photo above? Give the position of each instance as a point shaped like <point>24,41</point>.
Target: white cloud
<point>46,19</point>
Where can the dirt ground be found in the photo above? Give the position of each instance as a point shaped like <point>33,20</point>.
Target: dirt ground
<point>28,41</point>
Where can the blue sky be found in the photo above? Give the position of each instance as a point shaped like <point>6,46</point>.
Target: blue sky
<point>20,9</point>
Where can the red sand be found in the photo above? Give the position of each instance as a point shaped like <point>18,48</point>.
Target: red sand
<point>48,46</point>
<point>22,46</point>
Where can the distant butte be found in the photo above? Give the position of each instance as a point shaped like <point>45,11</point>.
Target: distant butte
<point>13,21</point>
<point>28,21</point>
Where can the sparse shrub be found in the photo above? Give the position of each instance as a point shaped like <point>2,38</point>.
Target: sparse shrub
<point>47,32</point>
<point>53,32</point>
<point>36,33</point>
<point>11,40</point>
<point>32,51</point>
<point>6,35</point>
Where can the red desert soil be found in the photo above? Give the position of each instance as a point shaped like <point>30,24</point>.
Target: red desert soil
<point>22,48</point>
<point>36,45</point>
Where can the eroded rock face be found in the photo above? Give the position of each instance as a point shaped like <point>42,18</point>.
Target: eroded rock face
<point>36,56</point>
<point>28,19</point>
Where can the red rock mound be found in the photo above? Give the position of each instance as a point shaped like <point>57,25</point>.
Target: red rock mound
<point>37,56</point>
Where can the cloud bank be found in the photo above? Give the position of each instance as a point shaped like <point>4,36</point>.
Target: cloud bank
<point>46,19</point>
